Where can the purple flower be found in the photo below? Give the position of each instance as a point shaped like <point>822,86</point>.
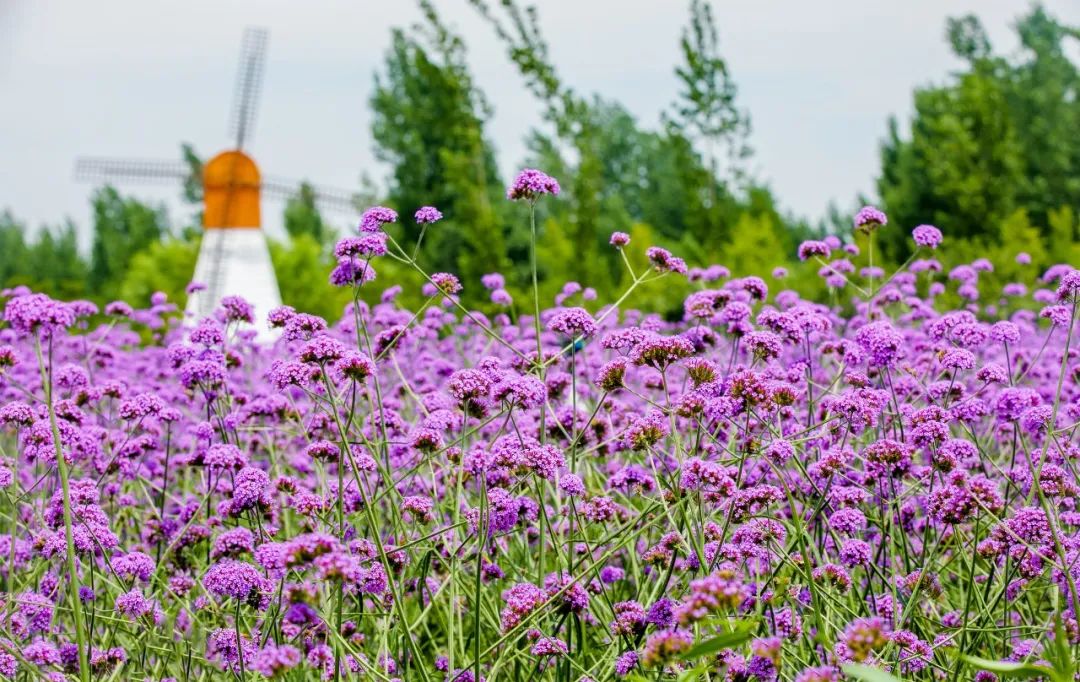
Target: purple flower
<point>274,660</point>
<point>882,342</point>
<point>133,565</point>
<point>721,591</point>
<point>927,236</point>
<point>375,217</point>
<point>625,663</point>
<point>119,309</point>
<point>446,283</point>
<point>869,219</point>
<point>37,312</point>
<point>236,309</point>
<point>251,490</point>
<point>861,639</point>
<point>663,261</point>
<point>365,246</point>
<point>426,215</point>
<point>572,485</point>
<point>237,580</point>
<point>134,605</point>
<point>810,249</point>
<point>493,281</point>
<point>1069,287</point>
<point>549,647</point>
<point>661,647</point>
<point>352,272</point>
<point>501,297</point>
<point>530,184</point>
<point>520,601</point>
<point>573,322</point>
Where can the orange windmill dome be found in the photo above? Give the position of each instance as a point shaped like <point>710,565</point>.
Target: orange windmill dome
<point>231,183</point>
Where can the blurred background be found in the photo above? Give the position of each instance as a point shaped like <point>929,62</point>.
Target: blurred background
<point>726,132</point>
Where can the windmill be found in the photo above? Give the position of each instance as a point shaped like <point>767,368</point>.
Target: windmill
<point>233,258</point>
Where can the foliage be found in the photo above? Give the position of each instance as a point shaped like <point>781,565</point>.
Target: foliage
<point>164,266</point>
<point>51,262</point>
<point>429,127</point>
<point>999,137</point>
<point>122,228</point>
<point>707,106</point>
<point>302,217</point>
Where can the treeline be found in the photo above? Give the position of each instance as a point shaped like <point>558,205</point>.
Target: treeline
<point>990,156</point>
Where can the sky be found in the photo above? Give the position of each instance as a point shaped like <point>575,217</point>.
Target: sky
<point>131,78</point>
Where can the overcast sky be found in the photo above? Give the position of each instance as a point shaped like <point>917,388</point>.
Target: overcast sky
<point>133,78</point>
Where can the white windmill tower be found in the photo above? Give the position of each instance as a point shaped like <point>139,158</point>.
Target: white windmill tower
<point>233,257</point>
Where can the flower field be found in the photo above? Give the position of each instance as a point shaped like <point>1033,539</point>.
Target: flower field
<point>767,488</point>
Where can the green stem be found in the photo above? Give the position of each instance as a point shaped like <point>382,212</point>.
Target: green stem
<point>61,466</point>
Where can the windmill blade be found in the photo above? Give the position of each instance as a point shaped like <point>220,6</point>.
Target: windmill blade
<point>332,199</point>
<point>97,169</point>
<point>248,85</point>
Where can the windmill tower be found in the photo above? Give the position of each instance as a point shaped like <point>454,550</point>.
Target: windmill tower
<point>233,257</point>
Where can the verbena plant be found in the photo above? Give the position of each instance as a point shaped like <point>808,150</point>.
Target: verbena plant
<point>769,488</point>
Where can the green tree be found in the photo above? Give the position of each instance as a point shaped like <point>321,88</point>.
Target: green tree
<point>618,175</point>
<point>162,266</point>
<point>122,228</point>
<point>193,183</point>
<point>428,126</point>
<point>706,109</point>
<point>962,167</point>
<point>998,137</point>
<point>50,263</point>
<point>302,216</point>
<point>1063,243</point>
<point>1042,96</point>
<point>13,250</point>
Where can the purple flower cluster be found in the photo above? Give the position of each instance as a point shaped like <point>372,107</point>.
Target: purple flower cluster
<point>870,218</point>
<point>531,184</point>
<point>928,236</point>
<point>425,215</point>
<point>875,477</point>
<point>375,217</point>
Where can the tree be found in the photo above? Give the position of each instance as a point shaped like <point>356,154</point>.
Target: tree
<point>50,263</point>
<point>1043,97</point>
<point>193,184</point>
<point>165,266</point>
<point>428,126</point>
<point>962,168</point>
<point>14,250</point>
<point>618,175</point>
<point>968,38</point>
<point>302,216</point>
<point>706,108</point>
<point>997,138</point>
<point>122,228</point>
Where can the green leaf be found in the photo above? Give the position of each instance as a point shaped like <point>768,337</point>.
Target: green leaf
<point>724,641</point>
<point>1063,660</point>
<point>1009,668</point>
<point>693,673</point>
<point>868,674</point>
